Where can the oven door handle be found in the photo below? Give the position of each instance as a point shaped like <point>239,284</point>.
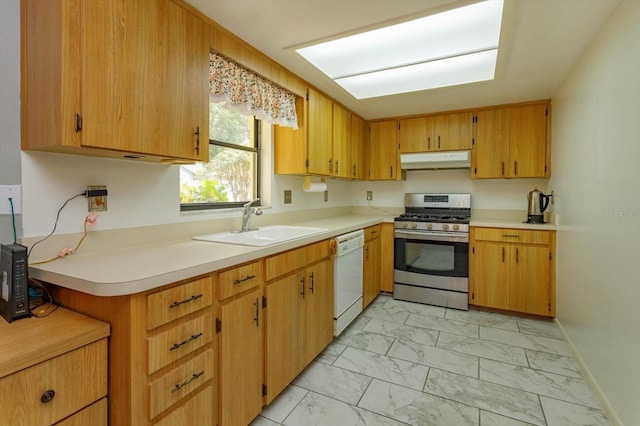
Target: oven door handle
<point>432,236</point>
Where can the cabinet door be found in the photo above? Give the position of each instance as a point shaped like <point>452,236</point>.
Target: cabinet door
<point>527,140</point>
<point>416,134</point>
<point>318,302</point>
<point>290,146</point>
<point>383,150</point>
<point>145,79</point>
<point>387,231</point>
<point>283,335</point>
<point>341,148</point>
<point>320,133</point>
<point>490,275</point>
<point>358,144</point>
<point>241,359</point>
<point>371,272</point>
<point>489,156</point>
<point>530,279</point>
<point>453,132</point>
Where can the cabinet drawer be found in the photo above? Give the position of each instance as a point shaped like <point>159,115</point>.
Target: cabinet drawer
<point>371,232</point>
<point>239,279</point>
<point>292,260</point>
<point>197,411</point>
<point>94,415</point>
<point>68,383</point>
<point>176,302</point>
<point>178,341</point>
<point>179,382</point>
<point>511,235</point>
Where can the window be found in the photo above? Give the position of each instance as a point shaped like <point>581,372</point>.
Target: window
<point>230,178</point>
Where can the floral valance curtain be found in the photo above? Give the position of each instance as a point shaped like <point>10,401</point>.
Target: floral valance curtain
<point>248,93</point>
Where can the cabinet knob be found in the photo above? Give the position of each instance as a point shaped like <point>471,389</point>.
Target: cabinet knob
<point>47,396</point>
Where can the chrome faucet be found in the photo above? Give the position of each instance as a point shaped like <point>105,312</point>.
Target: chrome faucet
<point>247,213</point>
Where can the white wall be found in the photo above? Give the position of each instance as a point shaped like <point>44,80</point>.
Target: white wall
<point>9,108</point>
<point>596,153</point>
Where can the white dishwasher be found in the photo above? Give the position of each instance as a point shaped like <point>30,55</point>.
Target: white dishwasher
<point>347,279</point>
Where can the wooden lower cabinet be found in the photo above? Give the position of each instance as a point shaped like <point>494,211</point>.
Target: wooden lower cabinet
<point>371,274</point>
<point>162,352</point>
<point>241,358</point>
<point>95,415</point>
<point>513,269</point>
<point>387,236</point>
<point>299,314</point>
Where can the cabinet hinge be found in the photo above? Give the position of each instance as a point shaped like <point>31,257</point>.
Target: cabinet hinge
<point>218,325</point>
<point>78,125</point>
<point>264,302</point>
<point>264,390</point>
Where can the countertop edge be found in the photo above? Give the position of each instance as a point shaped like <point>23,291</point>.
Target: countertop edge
<point>91,284</point>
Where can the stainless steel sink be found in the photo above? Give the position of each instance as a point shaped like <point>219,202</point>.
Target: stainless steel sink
<point>264,236</point>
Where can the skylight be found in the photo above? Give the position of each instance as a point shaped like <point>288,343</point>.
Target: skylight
<point>458,46</point>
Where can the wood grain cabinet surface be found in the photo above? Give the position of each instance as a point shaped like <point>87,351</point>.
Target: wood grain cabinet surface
<point>513,269</point>
<point>512,142</point>
<point>115,79</point>
<point>371,274</point>
<point>384,158</point>
<point>54,369</point>
<point>443,132</point>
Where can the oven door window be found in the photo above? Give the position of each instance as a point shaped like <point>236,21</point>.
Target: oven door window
<point>449,259</point>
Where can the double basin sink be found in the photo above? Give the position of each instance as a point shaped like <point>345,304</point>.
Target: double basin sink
<point>263,236</point>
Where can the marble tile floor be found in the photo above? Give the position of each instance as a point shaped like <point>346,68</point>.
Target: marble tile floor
<point>402,363</point>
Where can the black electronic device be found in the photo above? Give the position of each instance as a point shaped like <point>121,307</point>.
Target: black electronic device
<point>14,286</point>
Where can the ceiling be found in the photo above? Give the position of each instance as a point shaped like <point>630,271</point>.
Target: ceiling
<point>540,41</point>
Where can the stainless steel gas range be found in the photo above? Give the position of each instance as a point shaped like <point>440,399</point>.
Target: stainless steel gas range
<point>431,250</point>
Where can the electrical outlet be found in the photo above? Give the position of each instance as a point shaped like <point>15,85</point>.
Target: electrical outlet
<point>326,195</point>
<point>97,203</point>
<point>287,196</point>
<point>369,195</point>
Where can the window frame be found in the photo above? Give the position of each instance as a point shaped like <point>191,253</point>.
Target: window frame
<point>256,149</point>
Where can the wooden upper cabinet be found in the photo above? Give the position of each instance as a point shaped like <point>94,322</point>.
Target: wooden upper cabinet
<point>383,151</point>
<point>453,132</point>
<point>115,79</point>
<point>341,147</point>
<point>358,142</point>
<point>290,146</point>
<point>320,133</point>
<point>512,142</point>
<point>446,132</point>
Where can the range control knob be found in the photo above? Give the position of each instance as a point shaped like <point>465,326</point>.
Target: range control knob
<point>405,225</point>
<point>429,226</point>
<point>445,227</point>
<point>414,225</point>
<point>456,227</point>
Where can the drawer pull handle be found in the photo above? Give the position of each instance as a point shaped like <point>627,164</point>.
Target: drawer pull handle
<point>241,280</point>
<point>47,396</point>
<point>195,376</point>
<point>510,236</point>
<point>184,342</point>
<point>190,299</point>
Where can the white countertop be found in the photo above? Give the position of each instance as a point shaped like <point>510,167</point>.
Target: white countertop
<point>130,270</point>
<point>509,223</point>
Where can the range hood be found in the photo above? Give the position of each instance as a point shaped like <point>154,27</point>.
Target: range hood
<point>436,160</point>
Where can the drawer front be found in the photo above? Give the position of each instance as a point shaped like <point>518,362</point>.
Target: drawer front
<point>178,341</point>
<point>54,389</point>
<point>94,415</point>
<point>509,235</point>
<point>197,411</point>
<point>239,279</point>
<point>371,232</point>
<point>284,263</point>
<point>179,382</point>
<point>176,302</point>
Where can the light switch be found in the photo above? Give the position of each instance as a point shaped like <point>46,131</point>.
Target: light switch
<point>15,193</point>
